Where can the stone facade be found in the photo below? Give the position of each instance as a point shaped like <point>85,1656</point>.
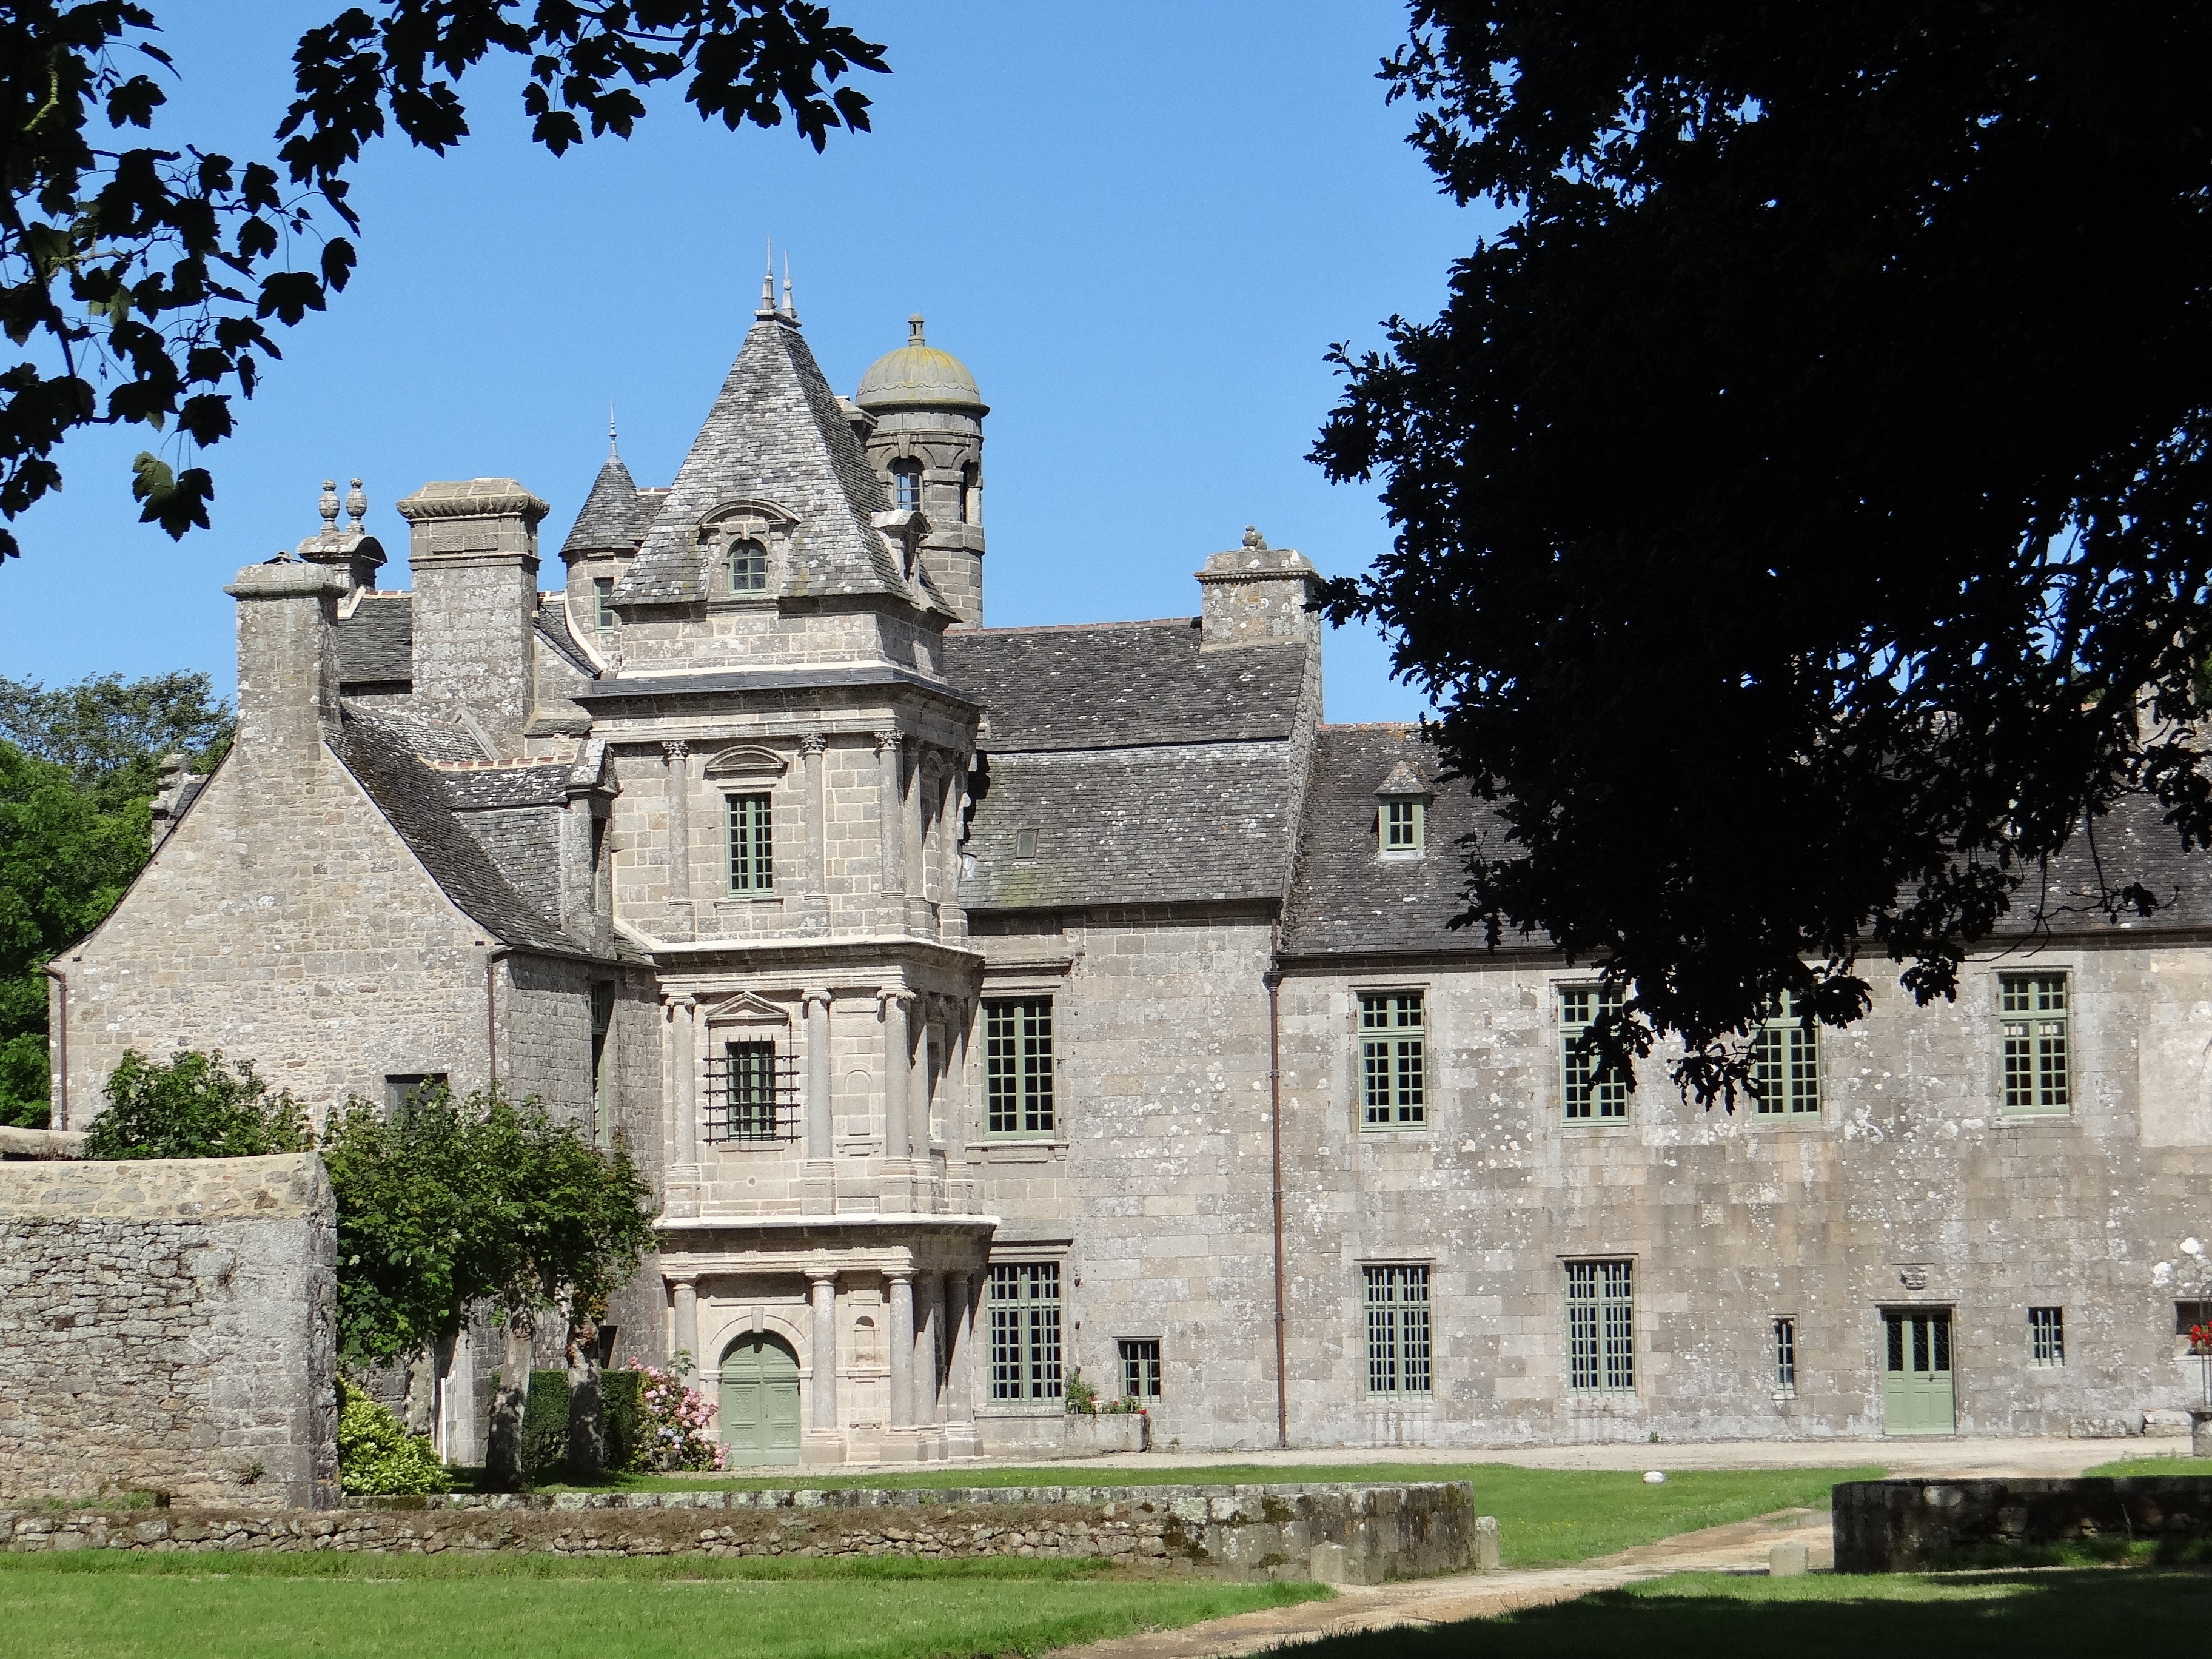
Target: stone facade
<point>169,1326</point>
<point>986,1004</point>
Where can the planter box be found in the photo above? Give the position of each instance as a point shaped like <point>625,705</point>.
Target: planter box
<point>1048,1438</point>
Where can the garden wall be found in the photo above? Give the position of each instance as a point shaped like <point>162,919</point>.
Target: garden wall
<point>169,1326</point>
<point>1902,1526</point>
<point>1342,1533</point>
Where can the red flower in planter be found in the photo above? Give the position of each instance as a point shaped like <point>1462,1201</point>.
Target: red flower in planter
<point>2200,1339</point>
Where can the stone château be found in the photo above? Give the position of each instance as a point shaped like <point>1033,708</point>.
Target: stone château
<point>985,1003</point>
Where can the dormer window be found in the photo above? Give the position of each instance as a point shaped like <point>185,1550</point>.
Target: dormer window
<point>748,566</point>
<point>603,610</point>
<point>906,485</point>
<point>1404,826</point>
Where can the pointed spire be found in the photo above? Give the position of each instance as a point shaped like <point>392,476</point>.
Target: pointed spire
<point>790,311</point>
<point>614,450</point>
<point>767,285</point>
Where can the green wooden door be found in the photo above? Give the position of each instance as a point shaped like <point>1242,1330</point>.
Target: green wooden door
<point>1917,1392</point>
<point>759,1401</point>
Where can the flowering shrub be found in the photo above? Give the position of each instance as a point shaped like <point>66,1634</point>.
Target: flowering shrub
<point>674,1420</point>
<point>2200,1339</point>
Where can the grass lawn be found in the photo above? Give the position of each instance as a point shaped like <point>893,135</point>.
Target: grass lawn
<point>2173,1463</point>
<point>249,1607</point>
<point>1700,1616</point>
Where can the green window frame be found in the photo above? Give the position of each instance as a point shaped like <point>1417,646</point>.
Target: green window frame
<point>1589,1093</point>
<point>603,610</point>
<point>748,566</point>
<point>1404,826</point>
<point>2046,1336</point>
<point>752,844</point>
<point>1394,1059</point>
<point>1025,1330</point>
<point>2036,1013</point>
<point>750,1080</point>
<point>1785,1360</point>
<point>1785,1061</point>
<point>1601,1327</point>
<point>1018,1065</point>
<point>1140,1368</point>
<point>1399,1350</point>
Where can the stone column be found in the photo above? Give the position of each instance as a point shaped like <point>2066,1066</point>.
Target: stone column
<point>929,1332</point>
<point>952,792</point>
<point>683,1061</point>
<point>917,881</point>
<point>961,1437</point>
<point>824,1295</point>
<point>898,1294</point>
<point>685,1332</point>
<point>894,843</point>
<point>680,826</point>
<point>817,817</point>
<point>917,1134</point>
<point>818,1136</point>
<point>952,1081</point>
<point>894,1003</point>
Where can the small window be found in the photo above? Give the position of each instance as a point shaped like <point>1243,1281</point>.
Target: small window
<point>748,567</point>
<point>906,485</point>
<point>1025,843</point>
<point>752,853</point>
<point>1785,1360</point>
<point>2189,1315</point>
<point>1785,1061</point>
<point>969,507</point>
<point>603,613</point>
<point>1591,1092</point>
<point>2046,1336</point>
<point>1398,1330</point>
<point>1140,1371</point>
<point>401,1089</point>
<point>2036,1055</point>
<point>1017,1065</point>
<point>755,1088</point>
<point>1601,1327</point>
<point>1404,822</point>
<point>1393,1058</point>
<point>1025,1330</point>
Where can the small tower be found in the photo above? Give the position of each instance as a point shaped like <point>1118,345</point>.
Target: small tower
<point>927,444</point>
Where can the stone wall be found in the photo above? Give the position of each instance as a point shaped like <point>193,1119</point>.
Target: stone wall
<point>1903,1526</point>
<point>170,1326</point>
<point>1344,1534</point>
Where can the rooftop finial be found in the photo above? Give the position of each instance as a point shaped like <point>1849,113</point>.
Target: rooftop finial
<point>614,454</point>
<point>328,506</point>
<point>1254,540</point>
<point>790,311</point>
<point>767,283</point>
<point>913,330</point>
<point>356,508</point>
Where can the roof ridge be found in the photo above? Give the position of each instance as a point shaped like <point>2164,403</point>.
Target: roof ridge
<point>1070,628</point>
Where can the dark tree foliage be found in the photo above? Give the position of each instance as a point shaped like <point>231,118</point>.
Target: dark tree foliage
<point>194,1107</point>
<point>1801,507</point>
<point>140,280</point>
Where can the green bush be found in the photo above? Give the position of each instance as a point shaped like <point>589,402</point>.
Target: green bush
<point>377,1456</point>
<point>621,1398</point>
<point>545,1425</point>
<point>194,1107</point>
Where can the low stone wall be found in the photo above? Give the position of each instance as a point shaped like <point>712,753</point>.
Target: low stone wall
<point>1343,1534</point>
<point>169,1326</point>
<point>1902,1526</point>
<point>1047,1438</point>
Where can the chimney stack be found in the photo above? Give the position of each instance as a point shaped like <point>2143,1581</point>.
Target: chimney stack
<point>287,658</point>
<point>473,546</point>
<point>1256,594</point>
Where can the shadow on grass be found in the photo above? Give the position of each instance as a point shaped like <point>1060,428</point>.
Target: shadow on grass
<point>1700,1616</point>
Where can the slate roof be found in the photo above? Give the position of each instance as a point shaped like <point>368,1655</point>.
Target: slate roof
<point>615,515</point>
<point>552,620</point>
<point>1122,683</point>
<point>775,434</point>
<point>501,786</point>
<point>376,644</point>
<point>380,754</point>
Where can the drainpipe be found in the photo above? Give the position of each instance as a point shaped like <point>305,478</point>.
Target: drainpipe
<point>492,957</point>
<point>58,1020</point>
<point>1274,981</point>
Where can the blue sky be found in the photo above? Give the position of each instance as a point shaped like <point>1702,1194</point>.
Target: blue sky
<point>1140,225</point>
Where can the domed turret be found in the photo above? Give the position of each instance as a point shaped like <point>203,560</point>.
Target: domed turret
<point>924,437</point>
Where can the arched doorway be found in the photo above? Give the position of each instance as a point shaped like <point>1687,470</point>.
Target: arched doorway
<point>760,1400</point>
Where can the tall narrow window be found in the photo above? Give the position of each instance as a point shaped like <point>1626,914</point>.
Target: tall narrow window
<point>603,1081</point>
<point>2037,1056</point>
<point>2046,1336</point>
<point>970,507</point>
<point>1601,1327</point>
<point>1025,1330</point>
<point>1140,1371</point>
<point>1394,1057</point>
<point>906,485</point>
<point>1785,1060</point>
<point>1398,1330</point>
<point>1785,1359</point>
<point>1592,1092</point>
<point>1017,1065</point>
<point>603,610</point>
<point>750,1092</point>
<point>1402,827</point>
<point>748,567</point>
<point>752,853</point>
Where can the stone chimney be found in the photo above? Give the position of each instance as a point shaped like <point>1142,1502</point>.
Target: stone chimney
<point>473,546</point>
<point>1257,595</point>
<point>352,551</point>
<point>288,659</point>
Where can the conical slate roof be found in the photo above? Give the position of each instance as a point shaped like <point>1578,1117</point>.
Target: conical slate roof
<point>775,434</point>
<point>615,515</point>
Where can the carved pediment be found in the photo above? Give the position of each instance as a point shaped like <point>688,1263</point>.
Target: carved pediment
<point>747,761</point>
<point>744,1009</point>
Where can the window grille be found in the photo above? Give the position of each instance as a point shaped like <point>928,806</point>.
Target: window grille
<point>1025,1330</point>
<point>2036,1055</point>
<point>1402,826</point>
<point>1785,1358</point>
<point>1785,1061</point>
<point>752,853</point>
<point>906,480</point>
<point>1394,1056</point>
<point>1590,1090</point>
<point>2046,1336</point>
<point>748,567</point>
<point>1140,1371</point>
<point>1398,1330</point>
<point>1017,1065</point>
<point>603,593</point>
<point>1601,1327</point>
<point>752,1095</point>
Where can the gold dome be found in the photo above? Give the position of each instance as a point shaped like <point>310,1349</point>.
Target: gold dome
<point>919,376</point>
